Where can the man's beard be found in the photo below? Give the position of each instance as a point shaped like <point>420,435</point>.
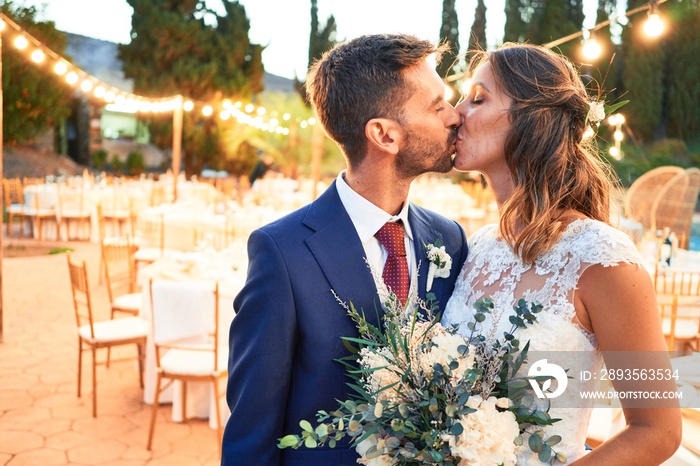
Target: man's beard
<point>422,156</point>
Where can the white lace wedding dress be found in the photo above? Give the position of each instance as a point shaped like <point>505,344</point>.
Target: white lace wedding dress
<point>493,270</point>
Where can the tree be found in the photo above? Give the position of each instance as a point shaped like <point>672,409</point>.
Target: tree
<point>449,33</point>
<point>320,41</point>
<point>181,47</point>
<point>477,37</point>
<point>515,28</point>
<point>642,77</point>
<point>540,21</point>
<point>34,98</point>
<point>683,103</point>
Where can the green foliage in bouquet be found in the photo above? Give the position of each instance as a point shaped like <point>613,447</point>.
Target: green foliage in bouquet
<point>428,395</point>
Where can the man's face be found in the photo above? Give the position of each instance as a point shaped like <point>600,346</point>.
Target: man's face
<point>430,125</point>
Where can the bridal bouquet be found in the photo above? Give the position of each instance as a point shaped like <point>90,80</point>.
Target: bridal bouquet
<point>428,395</point>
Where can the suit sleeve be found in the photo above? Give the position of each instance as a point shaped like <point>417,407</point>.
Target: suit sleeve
<point>262,342</point>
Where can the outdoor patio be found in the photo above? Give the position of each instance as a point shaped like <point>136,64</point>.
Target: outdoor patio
<point>42,421</point>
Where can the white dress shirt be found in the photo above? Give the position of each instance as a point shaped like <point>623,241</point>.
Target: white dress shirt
<point>368,219</point>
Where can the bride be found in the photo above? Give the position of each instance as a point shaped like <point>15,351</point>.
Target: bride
<point>523,123</point>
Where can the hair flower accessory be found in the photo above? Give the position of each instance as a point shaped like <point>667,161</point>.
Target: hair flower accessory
<point>596,111</point>
<point>440,263</point>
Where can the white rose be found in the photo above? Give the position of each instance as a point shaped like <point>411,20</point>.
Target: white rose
<point>596,112</point>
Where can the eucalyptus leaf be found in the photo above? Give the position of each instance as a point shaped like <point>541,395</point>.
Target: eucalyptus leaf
<point>305,425</point>
<point>310,442</point>
<point>288,441</point>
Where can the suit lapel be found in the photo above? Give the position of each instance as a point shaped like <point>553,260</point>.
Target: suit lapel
<point>423,234</point>
<point>340,254</point>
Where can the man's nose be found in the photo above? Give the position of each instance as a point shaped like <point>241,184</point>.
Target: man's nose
<point>453,117</point>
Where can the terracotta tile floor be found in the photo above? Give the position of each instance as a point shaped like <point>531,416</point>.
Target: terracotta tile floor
<point>42,421</point>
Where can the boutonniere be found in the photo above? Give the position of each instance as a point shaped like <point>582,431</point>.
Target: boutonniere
<point>440,262</point>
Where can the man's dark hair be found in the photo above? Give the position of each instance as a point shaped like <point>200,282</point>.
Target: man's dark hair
<point>363,79</point>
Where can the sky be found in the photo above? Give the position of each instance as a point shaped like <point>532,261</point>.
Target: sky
<point>283,25</point>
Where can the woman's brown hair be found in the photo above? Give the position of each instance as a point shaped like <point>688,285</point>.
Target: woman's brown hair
<point>552,169</point>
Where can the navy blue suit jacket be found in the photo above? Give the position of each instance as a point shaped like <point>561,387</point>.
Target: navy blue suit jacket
<point>288,326</point>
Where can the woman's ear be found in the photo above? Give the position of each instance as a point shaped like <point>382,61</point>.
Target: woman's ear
<point>384,134</point>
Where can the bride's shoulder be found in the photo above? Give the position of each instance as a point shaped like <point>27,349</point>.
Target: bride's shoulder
<point>484,233</point>
<point>599,243</point>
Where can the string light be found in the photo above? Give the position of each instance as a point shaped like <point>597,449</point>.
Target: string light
<point>207,110</point>
<point>591,47</point>
<point>86,85</point>
<point>449,93</point>
<point>60,68</point>
<point>653,26</point>
<point>21,42</point>
<point>38,56</point>
<point>72,78</point>
<point>188,106</point>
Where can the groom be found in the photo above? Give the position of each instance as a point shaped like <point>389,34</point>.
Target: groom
<point>379,98</point>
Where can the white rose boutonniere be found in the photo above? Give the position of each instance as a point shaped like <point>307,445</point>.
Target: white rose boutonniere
<point>440,263</point>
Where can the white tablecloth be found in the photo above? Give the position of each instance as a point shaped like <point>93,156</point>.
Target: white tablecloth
<point>189,309</point>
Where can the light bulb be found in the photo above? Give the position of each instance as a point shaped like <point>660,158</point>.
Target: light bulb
<point>286,116</point>
<point>109,96</point>
<point>188,106</point>
<point>60,68</point>
<point>207,110</point>
<point>72,78</point>
<point>225,115</point>
<point>86,85</point>
<point>591,49</point>
<point>654,26</point>
<point>261,111</point>
<point>615,152</point>
<point>99,91</point>
<point>21,42</point>
<point>38,56</point>
<point>449,93</point>
<point>618,135</point>
<point>249,108</point>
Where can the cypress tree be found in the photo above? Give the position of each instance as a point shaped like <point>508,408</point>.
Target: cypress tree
<point>477,37</point>
<point>320,41</point>
<point>515,28</point>
<point>642,77</point>
<point>683,103</point>
<point>449,32</point>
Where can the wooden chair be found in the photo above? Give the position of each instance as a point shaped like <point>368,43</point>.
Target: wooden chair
<point>218,239</point>
<point>35,211</point>
<point>674,206</point>
<point>118,211</point>
<point>13,199</point>
<point>678,296</point>
<point>106,334</point>
<point>191,359</point>
<point>72,207</point>
<point>117,253</point>
<point>642,194</point>
<point>150,238</point>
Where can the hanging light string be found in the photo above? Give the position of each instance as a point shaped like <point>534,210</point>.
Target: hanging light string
<point>255,116</point>
<point>651,6</point>
<point>118,100</point>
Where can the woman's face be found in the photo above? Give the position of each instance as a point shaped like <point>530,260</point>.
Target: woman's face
<point>485,125</point>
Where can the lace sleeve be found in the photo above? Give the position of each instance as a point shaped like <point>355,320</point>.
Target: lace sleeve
<point>605,245</point>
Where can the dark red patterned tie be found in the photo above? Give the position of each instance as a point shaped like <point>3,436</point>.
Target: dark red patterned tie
<point>395,272</point>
